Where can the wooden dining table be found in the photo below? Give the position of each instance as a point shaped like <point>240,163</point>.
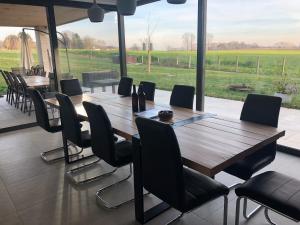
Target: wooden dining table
<point>36,81</point>
<point>209,143</point>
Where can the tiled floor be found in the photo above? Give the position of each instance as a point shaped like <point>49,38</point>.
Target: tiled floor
<point>35,193</point>
<point>10,116</point>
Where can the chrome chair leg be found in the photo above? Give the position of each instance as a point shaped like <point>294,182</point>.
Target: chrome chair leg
<point>88,180</point>
<point>253,212</point>
<point>225,216</point>
<point>268,217</point>
<point>45,155</point>
<point>106,204</point>
<point>175,219</point>
<point>237,211</point>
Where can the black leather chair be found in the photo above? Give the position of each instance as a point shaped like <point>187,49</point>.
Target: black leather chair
<point>182,96</point>
<point>71,87</point>
<point>274,191</point>
<point>71,130</point>
<point>149,89</point>
<point>116,154</point>
<point>125,86</point>
<point>261,109</point>
<point>51,126</point>
<point>164,174</point>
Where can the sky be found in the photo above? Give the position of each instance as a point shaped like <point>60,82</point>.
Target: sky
<point>264,22</point>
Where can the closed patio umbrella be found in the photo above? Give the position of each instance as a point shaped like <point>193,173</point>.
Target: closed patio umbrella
<point>26,54</point>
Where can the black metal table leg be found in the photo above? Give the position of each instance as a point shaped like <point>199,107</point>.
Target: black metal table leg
<point>138,182</point>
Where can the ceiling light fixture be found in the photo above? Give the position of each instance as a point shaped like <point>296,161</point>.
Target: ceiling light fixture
<point>176,1</point>
<point>96,13</point>
<point>126,7</point>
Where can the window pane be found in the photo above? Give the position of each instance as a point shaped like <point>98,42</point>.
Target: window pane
<point>161,44</point>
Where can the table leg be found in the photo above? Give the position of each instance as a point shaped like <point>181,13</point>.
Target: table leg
<point>138,183</point>
<point>113,89</point>
<point>103,89</point>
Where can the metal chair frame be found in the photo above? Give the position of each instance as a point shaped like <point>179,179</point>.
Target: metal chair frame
<point>266,211</point>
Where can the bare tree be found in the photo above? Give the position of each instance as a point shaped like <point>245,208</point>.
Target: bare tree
<point>209,40</point>
<point>189,45</point>
<point>148,40</point>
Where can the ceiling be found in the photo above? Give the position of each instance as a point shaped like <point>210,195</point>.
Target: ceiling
<point>12,15</point>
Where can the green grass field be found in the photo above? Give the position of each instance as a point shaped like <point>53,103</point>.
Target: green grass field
<point>171,68</point>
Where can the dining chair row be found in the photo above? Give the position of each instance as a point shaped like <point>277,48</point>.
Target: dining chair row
<point>17,91</point>
<point>184,189</point>
<point>181,96</point>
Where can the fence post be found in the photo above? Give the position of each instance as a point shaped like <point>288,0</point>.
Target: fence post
<point>177,61</point>
<point>158,60</point>
<point>237,64</point>
<point>142,59</point>
<point>190,61</point>
<point>219,63</point>
<point>257,65</point>
<point>283,65</point>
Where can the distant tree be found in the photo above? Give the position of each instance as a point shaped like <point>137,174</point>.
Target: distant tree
<point>11,42</point>
<point>189,44</point>
<point>135,47</point>
<point>147,40</point>
<point>100,44</point>
<point>209,40</point>
<point>89,42</point>
<point>76,41</point>
<point>66,38</point>
<point>188,41</point>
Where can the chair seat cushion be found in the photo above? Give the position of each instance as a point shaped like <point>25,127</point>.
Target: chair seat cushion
<point>123,153</point>
<point>245,168</point>
<point>55,126</point>
<point>85,139</point>
<point>274,190</point>
<point>200,189</point>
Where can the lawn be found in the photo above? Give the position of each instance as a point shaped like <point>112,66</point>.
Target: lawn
<point>171,68</point>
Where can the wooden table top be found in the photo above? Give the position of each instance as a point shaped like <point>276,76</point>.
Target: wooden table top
<point>208,143</point>
<point>36,81</point>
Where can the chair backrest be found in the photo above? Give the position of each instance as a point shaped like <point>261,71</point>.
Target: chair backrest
<point>41,112</point>
<point>69,119</point>
<point>5,78</point>
<point>71,87</point>
<point>102,136</point>
<point>10,79</point>
<point>261,109</point>
<point>161,161</point>
<point>125,86</point>
<point>22,82</point>
<point>149,89</point>
<point>182,96</point>
<point>15,80</point>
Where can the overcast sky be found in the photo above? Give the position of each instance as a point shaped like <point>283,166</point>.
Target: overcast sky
<point>261,21</point>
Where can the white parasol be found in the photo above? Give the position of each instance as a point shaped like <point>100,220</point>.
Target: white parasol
<point>26,54</point>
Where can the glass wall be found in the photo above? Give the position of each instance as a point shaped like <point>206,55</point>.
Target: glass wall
<point>253,47</point>
<point>89,51</point>
<point>11,26</point>
<point>161,44</point>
